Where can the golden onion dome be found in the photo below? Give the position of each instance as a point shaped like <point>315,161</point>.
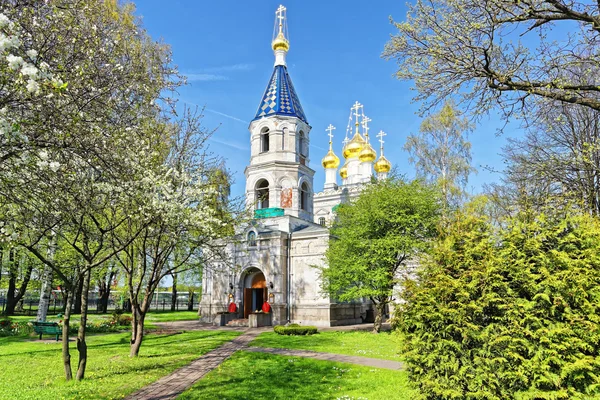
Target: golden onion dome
<point>383,165</point>
<point>354,146</point>
<point>330,160</point>
<point>344,171</point>
<point>280,43</point>
<point>367,154</point>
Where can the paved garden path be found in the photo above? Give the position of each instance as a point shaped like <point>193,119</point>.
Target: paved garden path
<point>369,362</point>
<point>171,386</point>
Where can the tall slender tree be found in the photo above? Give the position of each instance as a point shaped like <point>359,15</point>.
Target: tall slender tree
<point>442,154</point>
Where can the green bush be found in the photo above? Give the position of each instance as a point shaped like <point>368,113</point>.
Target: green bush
<point>295,329</point>
<point>15,328</point>
<point>510,313</point>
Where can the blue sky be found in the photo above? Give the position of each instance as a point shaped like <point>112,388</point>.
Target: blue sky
<point>334,60</point>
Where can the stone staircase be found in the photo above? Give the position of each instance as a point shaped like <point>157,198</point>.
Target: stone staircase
<point>238,322</point>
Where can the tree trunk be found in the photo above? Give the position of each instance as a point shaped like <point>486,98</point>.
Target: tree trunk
<point>12,284</point>
<point>12,298</point>
<point>104,291</point>
<point>77,300</point>
<point>65,297</point>
<point>46,288</point>
<point>136,341</point>
<point>81,344</point>
<point>190,303</point>
<point>10,295</point>
<point>380,309</point>
<point>174,293</point>
<point>66,355</point>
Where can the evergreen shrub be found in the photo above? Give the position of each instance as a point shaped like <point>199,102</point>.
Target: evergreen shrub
<point>511,313</point>
<point>295,329</point>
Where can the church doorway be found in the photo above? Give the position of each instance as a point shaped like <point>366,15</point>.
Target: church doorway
<point>255,291</point>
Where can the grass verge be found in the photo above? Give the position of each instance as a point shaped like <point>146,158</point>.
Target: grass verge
<point>247,375</point>
<point>33,369</point>
<point>384,345</point>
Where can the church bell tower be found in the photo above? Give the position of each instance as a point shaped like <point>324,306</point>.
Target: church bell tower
<point>278,176</point>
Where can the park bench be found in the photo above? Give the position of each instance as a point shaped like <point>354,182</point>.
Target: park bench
<point>47,328</point>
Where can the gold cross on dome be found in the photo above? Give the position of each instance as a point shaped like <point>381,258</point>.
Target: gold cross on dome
<point>280,16</point>
<point>380,135</point>
<point>357,106</point>
<point>365,124</point>
<point>330,129</point>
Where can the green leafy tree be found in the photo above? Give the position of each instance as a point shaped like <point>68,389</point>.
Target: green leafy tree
<point>506,313</point>
<point>376,238</point>
<point>442,154</point>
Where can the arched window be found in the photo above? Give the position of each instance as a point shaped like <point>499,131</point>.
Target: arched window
<point>262,194</point>
<point>322,221</point>
<point>284,136</point>
<point>304,193</point>
<point>264,140</point>
<point>302,144</point>
<point>252,239</point>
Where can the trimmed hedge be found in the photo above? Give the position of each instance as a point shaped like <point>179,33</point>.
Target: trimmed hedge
<point>295,329</point>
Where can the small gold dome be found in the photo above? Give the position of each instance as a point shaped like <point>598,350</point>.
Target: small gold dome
<point>354,146</point>
<point>383,165</point>
<point>330,160</point>
<point>344,171</point>
<point>280,43</point>
<point>367,154</point>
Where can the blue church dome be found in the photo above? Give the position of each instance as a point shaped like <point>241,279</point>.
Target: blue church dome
<point>280,98</point>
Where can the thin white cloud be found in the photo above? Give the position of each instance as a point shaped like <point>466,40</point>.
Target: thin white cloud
<point>205,77</point>
<point>229,143</point>
<point>228,68</point>
<point>227,116</point>
<point>211,74</point>
<point>318,147</point>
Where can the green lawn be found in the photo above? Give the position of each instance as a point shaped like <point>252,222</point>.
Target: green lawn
<point>167,316</point>
<point>33,369</point>
<point>384,345</point>
<point>247,375</point>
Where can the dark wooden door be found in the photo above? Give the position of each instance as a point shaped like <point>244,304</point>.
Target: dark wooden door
<point>247,302</point>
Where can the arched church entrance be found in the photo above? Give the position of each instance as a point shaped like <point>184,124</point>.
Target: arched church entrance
<point>255,291</point>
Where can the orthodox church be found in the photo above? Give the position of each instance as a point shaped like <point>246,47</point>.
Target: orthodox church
<point>273,258</point>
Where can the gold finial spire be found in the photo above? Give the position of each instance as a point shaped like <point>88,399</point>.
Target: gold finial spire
<point>381,135</point>
<point>367,154</point>
<point>355,145</point>
<point>365,124</point>
<point>383,164</point>
<point>330,129</point>
<point>356,107</point>
<point>280,41</point>
<point>330,160</point>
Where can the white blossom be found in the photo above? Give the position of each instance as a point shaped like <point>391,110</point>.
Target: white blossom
<point>4,20</point>
<point>14,61</point>
<point>32,54</point>
<point>29,70</point>
<point>33,86</point>
<point>54,165</point>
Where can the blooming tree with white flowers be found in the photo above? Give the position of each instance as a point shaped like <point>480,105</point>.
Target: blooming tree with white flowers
<point>81,96</point>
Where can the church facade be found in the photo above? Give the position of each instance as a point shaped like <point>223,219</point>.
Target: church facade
<point>274,258</point>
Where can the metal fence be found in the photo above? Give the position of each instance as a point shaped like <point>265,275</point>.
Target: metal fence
<point>161,301</point>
